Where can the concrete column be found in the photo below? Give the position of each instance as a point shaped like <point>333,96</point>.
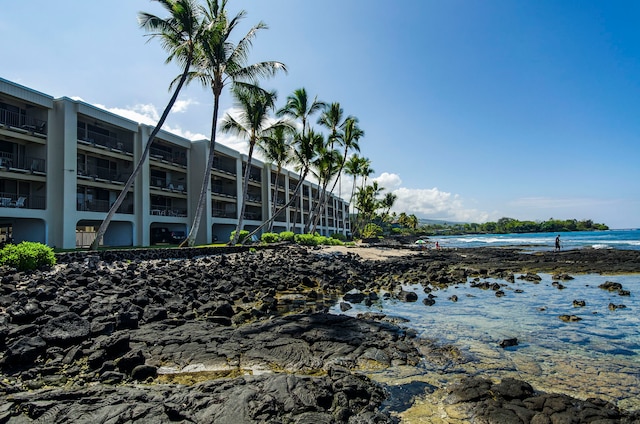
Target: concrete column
<point>62,173</point>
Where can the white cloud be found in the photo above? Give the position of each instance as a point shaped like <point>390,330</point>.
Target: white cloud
<point>429,203</point>
<point>181,106</point>
<point>389,182</point>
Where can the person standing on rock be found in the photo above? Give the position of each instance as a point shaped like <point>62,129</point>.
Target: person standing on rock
<point>557,249</point>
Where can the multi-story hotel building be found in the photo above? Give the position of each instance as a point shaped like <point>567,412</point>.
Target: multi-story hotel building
<point>63,163</point>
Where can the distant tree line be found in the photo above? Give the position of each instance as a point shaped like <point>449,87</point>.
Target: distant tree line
<point>510,225</point>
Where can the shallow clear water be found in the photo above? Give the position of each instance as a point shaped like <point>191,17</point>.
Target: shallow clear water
<point>598,356</point>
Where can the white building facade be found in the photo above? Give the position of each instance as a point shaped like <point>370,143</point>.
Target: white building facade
<point>64,162</point>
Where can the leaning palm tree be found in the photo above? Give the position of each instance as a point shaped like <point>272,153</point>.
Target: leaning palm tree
<point>299,108</point>
<point>304,153</point>
<point>325,168</point>
<point>177,34</point>
<point>253,123</point>
<point>276,148</point>
<point>220,61</point>
<point>348,136</point>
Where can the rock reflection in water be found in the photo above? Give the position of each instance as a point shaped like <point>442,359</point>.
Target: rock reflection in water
<point>595,357</point>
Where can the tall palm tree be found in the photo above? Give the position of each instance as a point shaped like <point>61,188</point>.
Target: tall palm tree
<point>177,34</point>
<point>388,201</point>
<point>365,171</point>
<point>218,62</point>
<point>276,148</point>
<point>299,108</point>
<point>331,119</point>
<point>254,124</point>
<point>304,153</point>
<point>347,135</point>
<point>325,168</point>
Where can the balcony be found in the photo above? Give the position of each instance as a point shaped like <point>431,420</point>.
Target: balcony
<point>100,173</point>
<point>224,166</point>
<point>110,142</point>
<point>163,184</point>
<point>103,206</point>
<point>17,120</point>
<point>168,156</point>
<point>15,200</point>
<point>254,198</point>
<point>162,210</point>
<point>220,190</point>
<point>20,163</point>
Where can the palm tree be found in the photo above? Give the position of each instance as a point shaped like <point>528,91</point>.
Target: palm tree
<point>177,34</point>
<point>253,123</point>
<point>352,167</point>
<point>365,171</point>
<point>299,108</point>
<point>218,62</point>
<point>348,136</point>
<point>276,148</point>
<point>388,201</point>
<point>304,153</point>
<point>325,168</point>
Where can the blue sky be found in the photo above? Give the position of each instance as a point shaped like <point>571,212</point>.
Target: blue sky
<point>472,111</point>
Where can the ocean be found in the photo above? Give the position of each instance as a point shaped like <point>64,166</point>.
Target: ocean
<point>598,356</point>
<point>610,239</point>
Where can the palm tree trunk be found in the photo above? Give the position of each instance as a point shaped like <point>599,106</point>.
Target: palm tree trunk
<point>191,238</point>
<point>321,206</point>
<point>274,199</point>
<point>245,189</point>
<point>123,194</point>
<point>289,203</point>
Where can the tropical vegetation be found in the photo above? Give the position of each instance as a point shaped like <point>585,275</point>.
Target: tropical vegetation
<point>27,256</point>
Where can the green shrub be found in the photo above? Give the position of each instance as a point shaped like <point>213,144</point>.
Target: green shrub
<point>306,239</point>
<point>270,238</point>
<point>287,236</point>
<point>27,256</point>
<point>371,230</point>
<point>243,235</point>
<point>330,241</point>
<point>339,236</point>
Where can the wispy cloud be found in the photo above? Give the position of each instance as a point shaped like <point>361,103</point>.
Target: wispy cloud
<point>429,203</point>
<point>148,114</point>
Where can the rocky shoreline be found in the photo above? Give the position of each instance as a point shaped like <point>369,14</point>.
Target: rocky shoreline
<point>244,336</point>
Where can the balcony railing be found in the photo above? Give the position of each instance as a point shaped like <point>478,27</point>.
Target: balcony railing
<point>103,173</point>
<point>103,206</point>
<point>23,163</point>
<point>15,200</point>
<point>252,216</point>
<point>220,191</point>
<point>225,167</point>
<point>171,157</point>
<point>162,183</point>
<point>253,198</point>
<point>107,141</point>
<point>161,210</point>
<point>223,213</point>
<point>25,122</point>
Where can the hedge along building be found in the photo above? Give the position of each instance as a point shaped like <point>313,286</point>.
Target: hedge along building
<point>63,162</point>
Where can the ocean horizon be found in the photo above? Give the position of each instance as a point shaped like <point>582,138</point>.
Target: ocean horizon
<point>624,239</point>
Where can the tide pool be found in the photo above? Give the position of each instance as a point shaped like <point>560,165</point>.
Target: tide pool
<point>598,356</point>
